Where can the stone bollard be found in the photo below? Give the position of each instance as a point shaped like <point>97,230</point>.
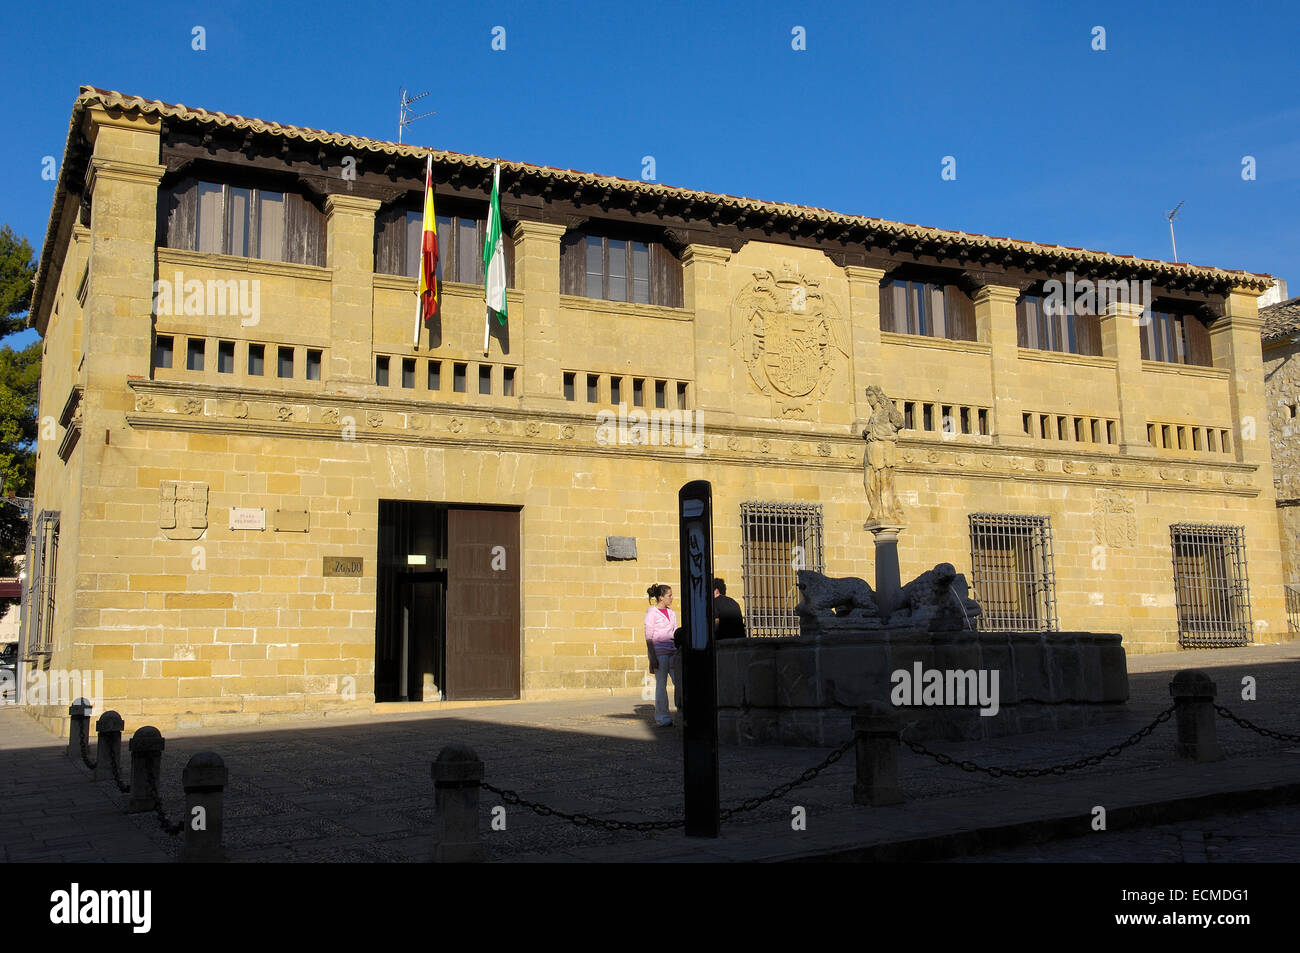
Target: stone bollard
<point>108,749</point>
<point>1193,692</point>
<point>456,776</point>
<point>204,779</point>
<point>876,727</point>
<point>78,726</point>
<point>146,759</point>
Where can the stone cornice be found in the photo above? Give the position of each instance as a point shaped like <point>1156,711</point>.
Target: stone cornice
<point>526,229</point>
<point>705,255</point>
<point>943,344</point>
<point>625,308</point>
<point>354,204</point>
<point>244,411</point>
<point>1186,370</point>
<point>1064,357</point>
<point>120,170</point>
<point>195,259</point>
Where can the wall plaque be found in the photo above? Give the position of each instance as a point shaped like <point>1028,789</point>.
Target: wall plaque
<point>247,517</point>
<point>342,565</point>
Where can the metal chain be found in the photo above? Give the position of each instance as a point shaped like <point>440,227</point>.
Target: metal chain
<point>85,753</point>
<point>117,771</point>
<point>586,820</point>
<point>582,820</point>
<point>1251,726</point>
<point>997,772</point>
<point>750,804</point>
<point>167,826</point>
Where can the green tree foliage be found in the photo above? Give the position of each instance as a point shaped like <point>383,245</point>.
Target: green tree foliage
<point>17,269</point>
<point>20,375</point>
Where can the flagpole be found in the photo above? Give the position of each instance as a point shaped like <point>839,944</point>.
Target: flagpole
<point>419,309</point>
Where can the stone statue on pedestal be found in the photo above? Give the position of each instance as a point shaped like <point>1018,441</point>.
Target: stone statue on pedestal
<point>881,434</point>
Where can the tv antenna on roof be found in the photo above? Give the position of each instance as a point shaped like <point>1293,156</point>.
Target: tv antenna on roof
<point>1171,216</point>
<point>404,117</point>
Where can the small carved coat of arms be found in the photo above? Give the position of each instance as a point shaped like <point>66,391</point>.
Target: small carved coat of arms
<point>1114,519</point>
<point>791,338</point>
<point>183,509</point>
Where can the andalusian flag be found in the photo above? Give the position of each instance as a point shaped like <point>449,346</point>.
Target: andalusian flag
<point>427,301</point>
<point>494,262</point>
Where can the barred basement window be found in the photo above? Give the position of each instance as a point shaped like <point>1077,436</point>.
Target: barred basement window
<point>776,540</point>
<point>1012,572</point>
<point>1211,586</point>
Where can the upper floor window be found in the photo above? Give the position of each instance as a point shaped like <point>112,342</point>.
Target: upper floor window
<point>225,219</point>
<point>1175,339</point>
<point>620,269</point>
<point>932,310</point>
<point>1046,327</point>
<point>399,235</point>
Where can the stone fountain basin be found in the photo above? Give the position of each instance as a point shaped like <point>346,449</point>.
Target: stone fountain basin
<point>803,691</point>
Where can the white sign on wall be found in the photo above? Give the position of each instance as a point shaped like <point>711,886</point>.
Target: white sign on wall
<point>247,517</point>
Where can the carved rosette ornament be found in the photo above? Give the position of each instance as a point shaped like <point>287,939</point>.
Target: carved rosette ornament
<point>567,432</point>
<point>532,428</point>
<point>374,418</point>
<point>241,409</point>
<point>192,406</point>
<point>330,415</point>
<point>493,426</point>
<point>454,425</point>
<point>144,402</point>
<point>791,338</point>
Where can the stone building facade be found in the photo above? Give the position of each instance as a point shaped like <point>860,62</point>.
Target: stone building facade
<point>1282,382</point>
<point>258,500</point>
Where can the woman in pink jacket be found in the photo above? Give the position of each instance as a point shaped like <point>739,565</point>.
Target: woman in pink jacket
<point>660,624</point>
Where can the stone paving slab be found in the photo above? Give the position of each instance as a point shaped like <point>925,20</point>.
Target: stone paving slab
<point>359,789</point>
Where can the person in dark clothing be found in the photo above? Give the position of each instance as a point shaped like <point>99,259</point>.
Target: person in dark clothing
<point>728,622</point>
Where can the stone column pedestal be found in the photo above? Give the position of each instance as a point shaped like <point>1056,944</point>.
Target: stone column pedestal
<point>889,584</point>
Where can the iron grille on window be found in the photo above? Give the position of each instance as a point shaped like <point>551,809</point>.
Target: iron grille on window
<point>777,539</point>
<point>1012,572</point>
<point>1210,584</point>
<point>40,582</point>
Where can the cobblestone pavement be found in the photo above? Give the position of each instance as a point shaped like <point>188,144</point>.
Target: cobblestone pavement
<point>1266,836</point>
<point>360,789</point>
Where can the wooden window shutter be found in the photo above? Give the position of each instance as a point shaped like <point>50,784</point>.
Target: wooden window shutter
<point>390,242</point>
<point>1089,334</point>
<point>177,216</point>
<point>960,312</point>
<point>665,277</point>
<point>1198,342</point>
<point>304,228</point>
<point>573,263</point>
<point>1022,323</point>
<point>886,305</point>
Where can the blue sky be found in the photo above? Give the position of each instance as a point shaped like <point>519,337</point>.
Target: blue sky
<point>1053,141</point>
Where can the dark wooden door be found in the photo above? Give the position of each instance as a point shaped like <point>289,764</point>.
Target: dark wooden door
<point>483,634</point>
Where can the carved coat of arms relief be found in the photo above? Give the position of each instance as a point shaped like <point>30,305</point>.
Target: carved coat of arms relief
<point>791,337</point>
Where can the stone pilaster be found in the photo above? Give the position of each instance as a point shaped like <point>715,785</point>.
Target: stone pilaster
<point>123,184</point>
<point>864,313</point>
<point>1121,338</point>
<point>706,294</point>
<point>537,272</point>
<point>995,325</point>
<point>1235,344</point>
<point>350,254</point>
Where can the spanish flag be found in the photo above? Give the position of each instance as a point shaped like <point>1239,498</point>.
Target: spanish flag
<point>428,296</point>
